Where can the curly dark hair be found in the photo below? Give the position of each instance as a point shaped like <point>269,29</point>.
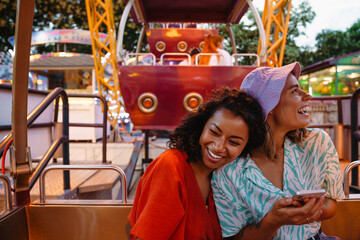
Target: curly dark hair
<point>187,135</point>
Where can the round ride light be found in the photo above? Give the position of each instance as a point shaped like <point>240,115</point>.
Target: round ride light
<point>201,45</point>
<point>147,102</point>
<point>182,46</point>
<point>160,46</point>
<point>192,101</point>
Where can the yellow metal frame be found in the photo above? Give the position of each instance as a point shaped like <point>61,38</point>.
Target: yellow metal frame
<point>100,13</point>
<point>276,21</point>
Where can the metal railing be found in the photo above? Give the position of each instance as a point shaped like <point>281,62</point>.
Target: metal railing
<point>7,188</point>
<point>95,125</point>
<point>55,94</point>
<point>355,138</point>
<point>185,55</point>
<point>347,172</point>
<point>236,55</point>
<point>82,167</point>
<point>206,54</point>
<point>130,168</point>
<point>139,55</point>
<point>64,139</point>
<point>354,126</point>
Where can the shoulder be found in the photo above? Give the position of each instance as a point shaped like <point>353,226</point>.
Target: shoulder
<point>318,142</point>
<point>171,160</point>
<point>231,171</point>
<point>317,132</point>
<point>317,136</point>
<point>171,157</point>
<point>222,51</point>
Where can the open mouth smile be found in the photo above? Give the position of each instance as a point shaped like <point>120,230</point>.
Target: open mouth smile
<point>213,155</point>
<point>304,110</point>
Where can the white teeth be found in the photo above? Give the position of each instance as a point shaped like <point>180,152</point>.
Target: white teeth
<point>303,110</point>
<point>213,155</point>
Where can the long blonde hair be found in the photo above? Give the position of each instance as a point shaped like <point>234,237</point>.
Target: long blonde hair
<point>211,43</point>
<point>296,136</point>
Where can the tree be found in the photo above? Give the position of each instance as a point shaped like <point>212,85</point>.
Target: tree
<point>300,17</point>
<point>332,43</point>
<point>7,23</point>
<point>247,35</point>
<point>353,35</point>
<point>60,14</point>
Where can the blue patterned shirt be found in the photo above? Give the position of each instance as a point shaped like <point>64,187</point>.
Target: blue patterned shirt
<point>243,195</point>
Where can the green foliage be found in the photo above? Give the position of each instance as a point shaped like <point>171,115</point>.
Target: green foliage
<point>332,43</point>
<point>300,17</point>
<point>61,14</point>
<point>71,14</point>
<point>7,23</point>
<point>247,36</point>
<point>353,36</point>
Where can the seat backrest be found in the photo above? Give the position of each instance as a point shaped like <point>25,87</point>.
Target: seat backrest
<point>13,226</point>
<point>59,222</point>
<point>345,224</point>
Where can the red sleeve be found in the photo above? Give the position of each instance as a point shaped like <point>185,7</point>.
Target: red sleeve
<point>158,207</point>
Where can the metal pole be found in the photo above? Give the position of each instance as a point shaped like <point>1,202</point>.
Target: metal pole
<point>104,140</point>
<point>232,39</point>
<point>354,135</point>
<point>122,24</point>
<point>23,31</point>
<point>66,151</point>
<point>261,29</point>
<point>147,146</point>
<point>141,37</point>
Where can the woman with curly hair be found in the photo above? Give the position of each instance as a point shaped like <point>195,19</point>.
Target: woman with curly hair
<point>214,44</point>
<point>174,197</point>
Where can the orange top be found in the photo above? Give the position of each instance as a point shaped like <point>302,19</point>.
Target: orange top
<point>168,203</point>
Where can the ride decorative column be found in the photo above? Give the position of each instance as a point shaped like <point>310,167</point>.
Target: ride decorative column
<point>275,18</point>
<point>100,15</point>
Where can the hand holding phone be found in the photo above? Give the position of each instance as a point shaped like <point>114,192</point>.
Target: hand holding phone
<point>300,195</point>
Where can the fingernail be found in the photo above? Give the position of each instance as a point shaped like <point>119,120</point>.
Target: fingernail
<point>288,200</point>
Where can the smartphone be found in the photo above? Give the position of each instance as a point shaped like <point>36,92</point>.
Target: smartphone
<point>300,195</point>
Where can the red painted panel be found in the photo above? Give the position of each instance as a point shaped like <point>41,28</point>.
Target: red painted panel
<point>171,84</point>
<point>172,36</point>
<point>205,11</point>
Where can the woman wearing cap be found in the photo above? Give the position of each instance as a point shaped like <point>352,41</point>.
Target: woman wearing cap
<point>253,193</point>
<point>214,44</point>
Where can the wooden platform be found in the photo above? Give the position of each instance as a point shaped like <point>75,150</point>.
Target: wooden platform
<point>54,187</point>
<point>101,180</point>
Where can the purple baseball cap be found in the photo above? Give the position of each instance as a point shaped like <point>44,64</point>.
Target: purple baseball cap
<point>265,84</point>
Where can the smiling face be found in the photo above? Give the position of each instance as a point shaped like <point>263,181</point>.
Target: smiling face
<point>292,111</point>
<point>223,139</point>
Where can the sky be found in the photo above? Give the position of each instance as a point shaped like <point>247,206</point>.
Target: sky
<point>330,14</point>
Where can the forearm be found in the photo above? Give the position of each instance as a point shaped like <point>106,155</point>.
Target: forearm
<point>263,230</point>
